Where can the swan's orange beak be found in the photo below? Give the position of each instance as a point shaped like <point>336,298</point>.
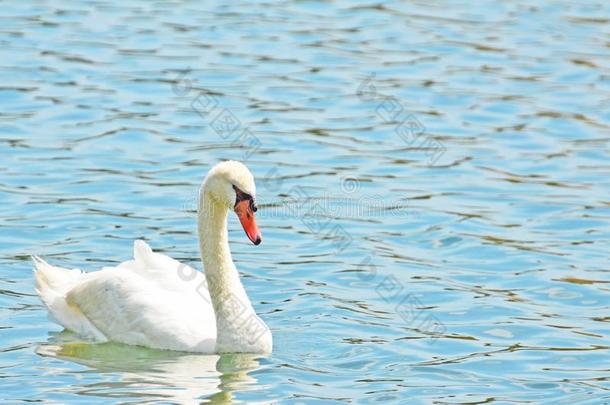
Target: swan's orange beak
<point>245,212</point>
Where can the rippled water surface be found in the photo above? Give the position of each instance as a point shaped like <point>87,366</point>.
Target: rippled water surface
<point>433,182</point>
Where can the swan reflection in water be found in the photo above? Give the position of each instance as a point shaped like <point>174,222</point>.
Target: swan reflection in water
<point>150,374</point>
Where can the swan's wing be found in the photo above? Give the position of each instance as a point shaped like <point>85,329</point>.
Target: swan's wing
<point>129,308</point>
<point>152,301</point>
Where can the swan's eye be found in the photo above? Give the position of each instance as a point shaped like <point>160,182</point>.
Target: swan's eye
<point>241,196</point>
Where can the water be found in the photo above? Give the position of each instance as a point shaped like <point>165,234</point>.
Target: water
<point>486,213</point>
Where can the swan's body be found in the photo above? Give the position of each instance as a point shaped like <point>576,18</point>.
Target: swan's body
<point>154,300</point>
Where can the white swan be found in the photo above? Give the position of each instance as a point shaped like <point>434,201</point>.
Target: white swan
<point>154,300</point>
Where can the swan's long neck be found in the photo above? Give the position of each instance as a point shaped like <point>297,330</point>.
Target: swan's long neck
<point>237,325</point>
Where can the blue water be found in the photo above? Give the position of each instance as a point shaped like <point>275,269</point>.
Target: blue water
<point>433,183</point>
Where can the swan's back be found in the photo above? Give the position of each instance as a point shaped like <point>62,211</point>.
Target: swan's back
<point>152,300</point>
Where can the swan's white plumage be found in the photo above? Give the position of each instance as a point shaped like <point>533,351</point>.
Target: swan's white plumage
<point>124,303</point>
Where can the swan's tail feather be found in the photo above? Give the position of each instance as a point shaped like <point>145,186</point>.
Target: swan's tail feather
<point>53,282</point>
<point>52,285</point>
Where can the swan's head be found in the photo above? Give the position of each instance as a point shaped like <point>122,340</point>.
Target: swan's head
<point>232,185</point>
